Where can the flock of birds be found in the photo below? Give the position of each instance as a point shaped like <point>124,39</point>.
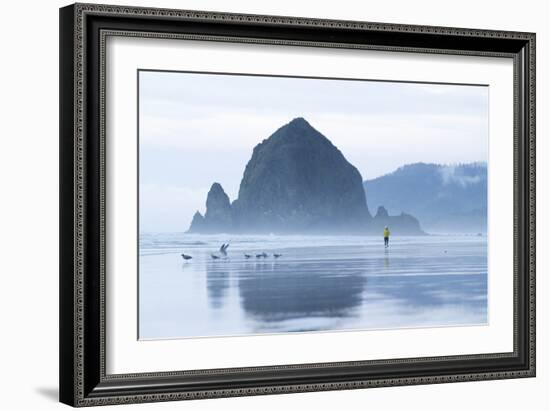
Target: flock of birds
<point>223,252</point>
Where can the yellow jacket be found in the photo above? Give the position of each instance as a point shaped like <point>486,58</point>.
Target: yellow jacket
<point>386,232</point>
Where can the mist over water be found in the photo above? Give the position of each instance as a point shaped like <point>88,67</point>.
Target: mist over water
<point>320,283</point>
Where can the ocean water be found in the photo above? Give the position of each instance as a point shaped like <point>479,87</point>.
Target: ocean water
<point>318,284</point>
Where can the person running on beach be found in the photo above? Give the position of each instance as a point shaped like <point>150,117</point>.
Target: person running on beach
<point>386,237</point>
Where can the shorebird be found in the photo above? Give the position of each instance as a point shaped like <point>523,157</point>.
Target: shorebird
<point>223,248</point>
<point>264,255</point>
<point>186,257</point>
<point>277,255</point>
<point>247,256</point>
<point>214,256</point>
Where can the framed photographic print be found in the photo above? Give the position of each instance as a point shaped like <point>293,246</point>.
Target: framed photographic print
<point>261,204</point>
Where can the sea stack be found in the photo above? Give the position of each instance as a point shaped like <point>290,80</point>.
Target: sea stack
<point>296,182</point>
<point>218,218</point>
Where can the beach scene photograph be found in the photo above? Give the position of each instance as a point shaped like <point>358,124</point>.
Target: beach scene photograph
<point>273,204</point>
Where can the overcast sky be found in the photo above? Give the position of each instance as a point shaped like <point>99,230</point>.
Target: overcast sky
<point>196,129</point>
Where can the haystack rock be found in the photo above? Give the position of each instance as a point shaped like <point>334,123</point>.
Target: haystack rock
<point>296,181</point>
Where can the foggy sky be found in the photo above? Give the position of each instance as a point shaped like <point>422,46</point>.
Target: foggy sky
<point>196,129</point>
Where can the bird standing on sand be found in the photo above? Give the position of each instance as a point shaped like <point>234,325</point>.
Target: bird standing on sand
<point>262,255</point>
<point>186,257</point>
<point>277,255</point>
<point>247,256</point>
<point>214,256</point>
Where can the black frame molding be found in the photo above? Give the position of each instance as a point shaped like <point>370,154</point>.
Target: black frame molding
<point>84,29</point>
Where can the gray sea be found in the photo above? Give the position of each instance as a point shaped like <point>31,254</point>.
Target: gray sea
<point>319,283</point>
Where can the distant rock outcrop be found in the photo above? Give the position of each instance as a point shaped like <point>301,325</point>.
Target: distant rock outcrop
<point>296,181</point>
<point>381,213</point>
<point>398,224</point>
<point>446,198</point>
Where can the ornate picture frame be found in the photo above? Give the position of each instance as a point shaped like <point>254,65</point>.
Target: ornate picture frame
<point>84,31</point>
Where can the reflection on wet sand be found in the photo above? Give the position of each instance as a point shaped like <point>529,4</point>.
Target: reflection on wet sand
<point>217,283</point>
<point>276,292</point>
<point>335,284</point>
<point>279,292</point>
